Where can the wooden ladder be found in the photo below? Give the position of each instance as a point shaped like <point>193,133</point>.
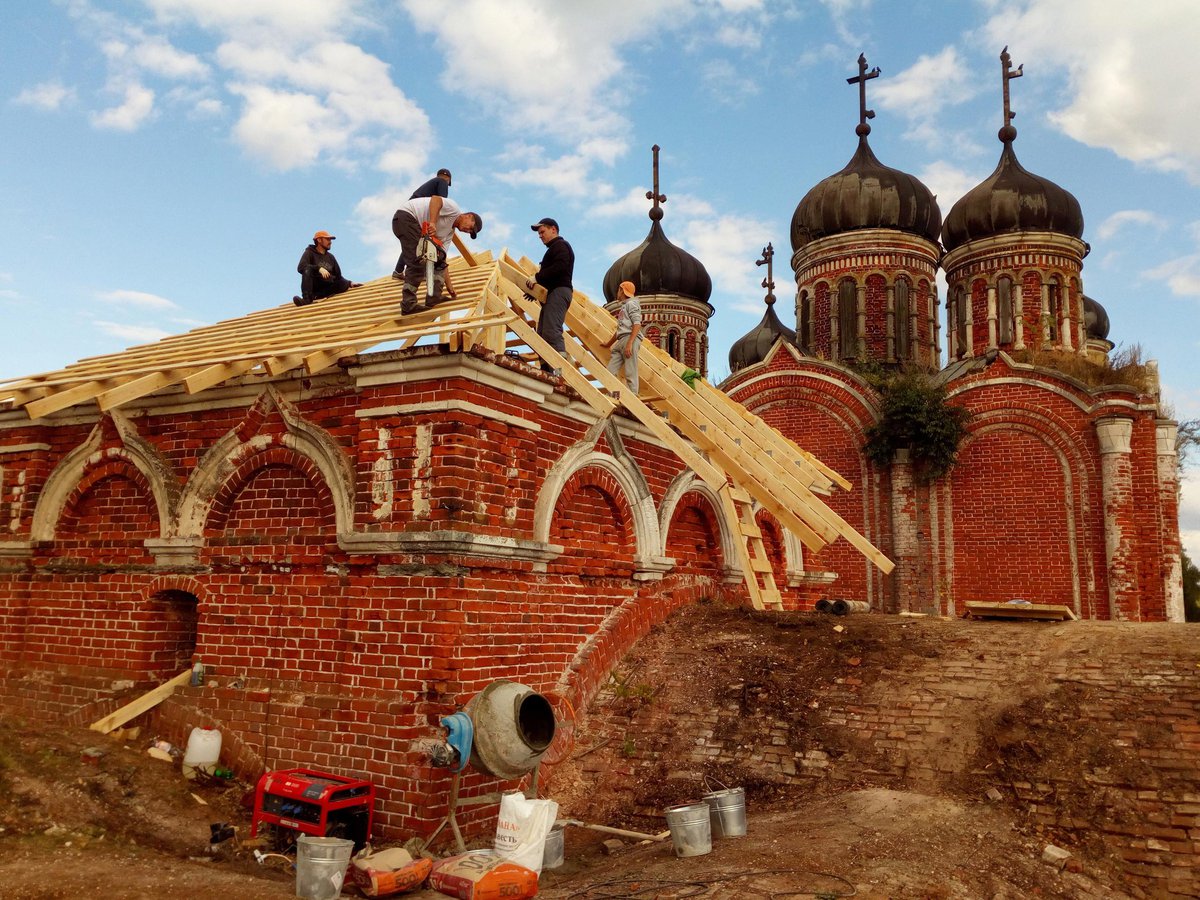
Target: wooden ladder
<point>752,552</point>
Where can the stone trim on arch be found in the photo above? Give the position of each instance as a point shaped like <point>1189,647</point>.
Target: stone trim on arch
<point>230,454</point>
<point>74,468</point>
<point>688,482</point>
<point>625,471</point>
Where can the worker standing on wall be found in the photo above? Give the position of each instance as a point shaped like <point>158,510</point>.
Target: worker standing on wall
<point>555,274</point>
<point>627,340</point>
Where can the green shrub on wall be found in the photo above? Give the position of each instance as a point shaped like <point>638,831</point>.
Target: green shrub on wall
<point>915,415</point>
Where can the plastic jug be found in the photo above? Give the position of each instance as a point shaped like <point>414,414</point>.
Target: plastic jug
<point>203,751</point>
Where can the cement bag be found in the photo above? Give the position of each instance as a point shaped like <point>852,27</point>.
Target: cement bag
<point>388,872</point>
<point>483,875</point>
<point>522,828</point>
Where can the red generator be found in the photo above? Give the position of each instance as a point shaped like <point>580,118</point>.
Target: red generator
<point>315,803</point>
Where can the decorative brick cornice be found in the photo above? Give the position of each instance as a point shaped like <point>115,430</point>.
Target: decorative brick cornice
<point>458,543</point>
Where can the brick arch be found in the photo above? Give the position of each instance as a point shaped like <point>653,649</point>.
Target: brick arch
<point>282,463</point>
<point>628,623</point>
<point>314,451</point>
<point>687,488</point>
<point>594,523</point>
<point>627,481</point>
<point>1008,482</point>
<point>696,534</point>
<point>110,512</point>
<point>85,464</point>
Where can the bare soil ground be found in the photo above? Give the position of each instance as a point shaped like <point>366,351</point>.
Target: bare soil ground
<point>128,826</point>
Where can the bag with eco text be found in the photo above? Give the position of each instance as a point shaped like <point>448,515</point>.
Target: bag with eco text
<point>522,828</point>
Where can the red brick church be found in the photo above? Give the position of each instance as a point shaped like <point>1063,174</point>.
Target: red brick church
<point>354,543</point>
<point>1065,491</point>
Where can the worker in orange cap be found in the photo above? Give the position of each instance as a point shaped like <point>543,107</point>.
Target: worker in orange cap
<point>320,274</point>
<point>627,339</point>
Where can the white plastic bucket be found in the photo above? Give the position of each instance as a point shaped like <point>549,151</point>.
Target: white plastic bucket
<point>727,812</point>
<point>203,751</point>
<point>690,829</point>
<point>321,864</point>
<point>552,855</point>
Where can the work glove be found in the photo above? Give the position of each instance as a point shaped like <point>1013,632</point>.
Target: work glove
<point>324,273</point>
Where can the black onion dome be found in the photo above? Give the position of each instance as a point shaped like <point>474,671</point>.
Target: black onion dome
<point>866,194</point>
<point>656,266</point>
<point>1012,199</point>
<point>1095,319</point>
<point>754,346</point>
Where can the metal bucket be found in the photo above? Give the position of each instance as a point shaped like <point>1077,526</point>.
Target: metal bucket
<point>727,812</point>
<point>552,856</point>
<point>321,864</point>
<point>690,829</point>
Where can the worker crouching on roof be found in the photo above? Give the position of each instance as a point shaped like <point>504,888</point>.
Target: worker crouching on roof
<point>435,218</point>
<point>320,274</point>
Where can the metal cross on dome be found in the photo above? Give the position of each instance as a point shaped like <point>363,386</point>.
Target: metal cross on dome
<point>656,212</point>
<point>1008,74</point>
<point>769,281</point>
<point>861,80</point>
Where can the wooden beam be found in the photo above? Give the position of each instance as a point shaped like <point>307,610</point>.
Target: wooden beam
<point>147,701</point>
<point>63,399</point>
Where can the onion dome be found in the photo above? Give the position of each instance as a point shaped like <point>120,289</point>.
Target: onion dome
<point>1095,319</point>
<point>866,194</point>
<point>656,266</point>
<point>1012,199</point>
<point>754,346</point>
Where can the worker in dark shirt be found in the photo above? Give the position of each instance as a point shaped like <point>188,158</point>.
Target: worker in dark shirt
<point>437,186</point>
<point>558,265</point>
<point>320,274</point>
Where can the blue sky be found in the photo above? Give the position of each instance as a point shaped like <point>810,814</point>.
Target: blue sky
<point>165,162</point>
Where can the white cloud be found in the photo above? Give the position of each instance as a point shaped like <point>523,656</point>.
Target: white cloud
<point>136,298</point>
<point>1189,513</point>
<point>947,182</point>
<point>139,333</point>
<point>1182,275</point>
<point>632,204</point>
<point>156,55</point>
<point>726,83</point>
<point>729,246</point>
<point>746,38</point>
<point>287,22</point>
<point>567,176</point>
<point>1118,220</point>
<point>130,113</point>
<point>49,96</point>
<point>923,91</point>
<point>332,99</point>
<point>1125,91</point>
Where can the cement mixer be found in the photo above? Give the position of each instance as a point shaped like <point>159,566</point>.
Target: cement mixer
<point>503,731</point>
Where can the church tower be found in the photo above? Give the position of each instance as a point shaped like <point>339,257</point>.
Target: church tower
<point>1014,253</point>
<point>865,253</point>
<point>673,288</point>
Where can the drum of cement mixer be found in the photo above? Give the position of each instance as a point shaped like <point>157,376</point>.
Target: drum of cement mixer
<point>514,726</point>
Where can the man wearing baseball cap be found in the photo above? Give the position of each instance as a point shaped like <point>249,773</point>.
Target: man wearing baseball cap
<point>436,218</point>
<point>320,274</point>
<point>555,274</point>
<point>437,186</point>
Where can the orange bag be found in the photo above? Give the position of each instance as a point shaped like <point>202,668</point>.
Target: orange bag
<point>483,875</point>
<point>377,875</point>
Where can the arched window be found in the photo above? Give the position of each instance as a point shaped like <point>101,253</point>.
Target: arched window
<point>1004,309</point>
<point>960,312</point>
<point>672,346</point>
<point>1053,309</point>
<point>805,336</point>
<point>903,310</point>
<point>848,319</point>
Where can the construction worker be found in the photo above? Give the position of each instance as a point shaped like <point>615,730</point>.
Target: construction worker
<point>627,339</point>
<point>435,218</point>
<point>437,186</point>
<point>320,274</point>
<point>557,269</point>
